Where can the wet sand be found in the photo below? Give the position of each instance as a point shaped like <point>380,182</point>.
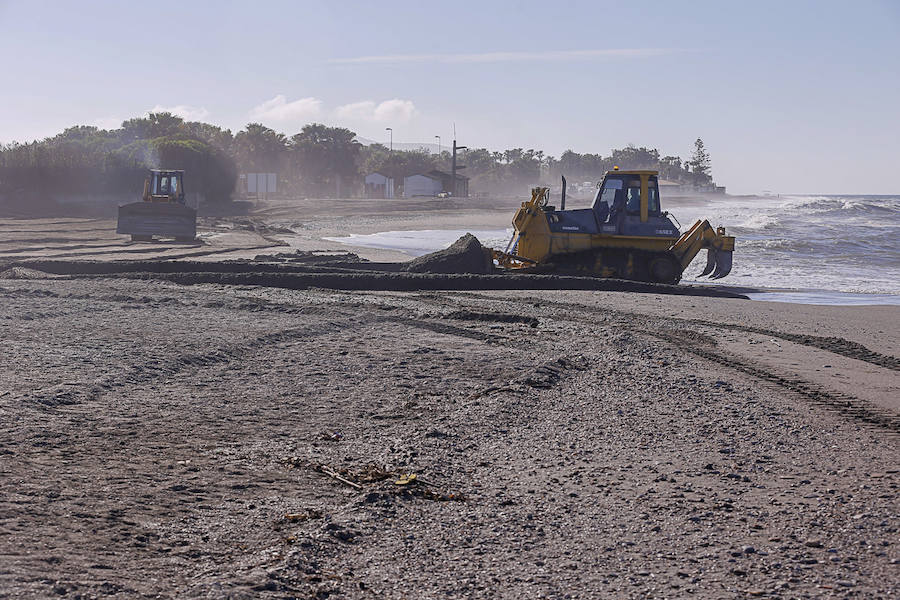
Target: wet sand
<point>231,440</point>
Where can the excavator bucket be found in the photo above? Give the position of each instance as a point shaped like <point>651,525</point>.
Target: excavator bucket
<point>723,264</point>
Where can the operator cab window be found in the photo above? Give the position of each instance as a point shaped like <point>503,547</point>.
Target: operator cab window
<point>633,197</point>
<point>652,196</point>
<point>607,193</point>
<point>605,202</point>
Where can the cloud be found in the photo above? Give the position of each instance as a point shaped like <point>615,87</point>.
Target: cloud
<point>493,57</point>
<point>279,110</point>
<point>394,111</point>
<point>188,113</point>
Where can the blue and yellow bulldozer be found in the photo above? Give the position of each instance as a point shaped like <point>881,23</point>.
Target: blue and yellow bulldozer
<point>624,234</point>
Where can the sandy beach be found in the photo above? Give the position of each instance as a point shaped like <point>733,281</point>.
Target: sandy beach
<point>213,440</point>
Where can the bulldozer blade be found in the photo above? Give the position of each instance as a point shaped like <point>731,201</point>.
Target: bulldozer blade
<point>710,262</point>
<point>723,265</point>
<point>165,219</point>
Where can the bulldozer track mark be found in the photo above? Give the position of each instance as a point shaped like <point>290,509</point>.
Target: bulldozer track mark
<point>447,329</point>
<point>157,248</point>
<point>27,293</point>
<point>77,392</point>
<point>467,315</point>
<point>844,404</point>
<point>51,240</point>
<point>544,376</point>
<point>835,345</point>
<point>66,247</point>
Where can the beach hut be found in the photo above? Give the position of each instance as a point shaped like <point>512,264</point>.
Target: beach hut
<point>379,186</point>
<point>423,184</point>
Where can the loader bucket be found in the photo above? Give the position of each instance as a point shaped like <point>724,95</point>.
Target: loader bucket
<point>163,219</point>
<point>723,264</point>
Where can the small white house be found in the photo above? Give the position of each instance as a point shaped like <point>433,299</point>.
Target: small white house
<point>259,184</point>
<point>379,186</point>
<point>422,185</point>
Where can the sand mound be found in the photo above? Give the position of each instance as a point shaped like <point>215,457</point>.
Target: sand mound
<point>23,273</point>
<point>466,255</point>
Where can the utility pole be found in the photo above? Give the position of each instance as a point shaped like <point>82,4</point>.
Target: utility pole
<point>456,167</point>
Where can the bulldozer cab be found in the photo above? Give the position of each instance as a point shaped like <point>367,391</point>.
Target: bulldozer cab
<point>627,203</point>
<point>164,186</point>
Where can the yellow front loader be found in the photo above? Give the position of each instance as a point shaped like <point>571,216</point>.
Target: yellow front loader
<point>162,210</point>
<point>624,234</point>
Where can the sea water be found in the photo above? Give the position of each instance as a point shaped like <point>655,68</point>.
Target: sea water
<point>810,249</point>
<point>844,244</point>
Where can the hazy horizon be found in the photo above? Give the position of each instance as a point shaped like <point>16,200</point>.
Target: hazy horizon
<point>793,98</point>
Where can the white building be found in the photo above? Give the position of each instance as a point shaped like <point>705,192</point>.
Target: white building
<point>422,185</point>
<point>379,186</point>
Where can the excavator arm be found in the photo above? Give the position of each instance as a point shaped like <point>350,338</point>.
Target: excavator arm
<point>719,248</point>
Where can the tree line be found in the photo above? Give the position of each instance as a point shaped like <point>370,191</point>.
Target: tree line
<point>318,161</point>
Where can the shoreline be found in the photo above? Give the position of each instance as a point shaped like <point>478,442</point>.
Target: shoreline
<point>413,246</point>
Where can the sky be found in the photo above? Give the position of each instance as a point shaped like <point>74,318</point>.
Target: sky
<point>788,96</point>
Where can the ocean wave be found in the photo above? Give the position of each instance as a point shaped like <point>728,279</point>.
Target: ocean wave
<point>841,204</point>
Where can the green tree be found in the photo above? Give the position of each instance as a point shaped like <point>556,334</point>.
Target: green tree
<point>325,158</point>
<point>84,160</point>
<point>213,135</point>
<point>259,149</point>
<point>631,157</point>
<point>700,163</point>
<point>154,125</point>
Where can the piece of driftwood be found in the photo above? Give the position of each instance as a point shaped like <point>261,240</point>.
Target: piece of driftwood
<point>336,476</point>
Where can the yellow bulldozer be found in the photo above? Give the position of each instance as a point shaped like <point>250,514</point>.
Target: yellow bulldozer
<point>624,234</point>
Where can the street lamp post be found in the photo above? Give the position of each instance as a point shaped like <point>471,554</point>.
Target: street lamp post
<point>439,144</point>
<point>392,137</point>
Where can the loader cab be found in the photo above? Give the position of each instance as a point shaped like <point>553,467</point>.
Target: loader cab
<point>164,186</point>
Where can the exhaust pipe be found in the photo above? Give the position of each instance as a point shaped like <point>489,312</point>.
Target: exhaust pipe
<point>562,200</point>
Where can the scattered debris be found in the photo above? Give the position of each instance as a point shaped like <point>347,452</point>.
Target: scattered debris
<point>371,478</point>
<point>406,479</point>
<point>331,436</point>
<point>334,475</point>
<point>303,516</point>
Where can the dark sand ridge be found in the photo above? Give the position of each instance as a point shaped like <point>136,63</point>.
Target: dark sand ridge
<point>465,265</point>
